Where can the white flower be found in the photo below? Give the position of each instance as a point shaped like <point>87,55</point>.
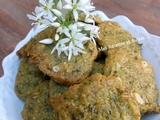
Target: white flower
<point>94,31</point>
<point>60,47</point>
<point>79,5</point>
<point>35,15</point>
<point>73,33</point>
<point>47,8</point>
<point>75,40</point>
<point>73,49</point>
<point>37,18</point>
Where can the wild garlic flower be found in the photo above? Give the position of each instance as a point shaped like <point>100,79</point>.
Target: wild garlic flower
<point>48,9</point>
<point>36,17</point>
<point>79,6</point>
<point>93,31</point>
<point>74,38</point>
<point>71,34</point>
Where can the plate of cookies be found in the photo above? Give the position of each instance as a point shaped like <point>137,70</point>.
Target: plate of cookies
<point>56,73</point>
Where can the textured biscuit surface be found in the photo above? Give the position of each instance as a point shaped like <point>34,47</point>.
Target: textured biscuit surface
<point>27,79</point>
<point>112,35</point>
<point>37,106</point>
<point>96,98</point>
<point>125,62</point>
<point>137,76</point>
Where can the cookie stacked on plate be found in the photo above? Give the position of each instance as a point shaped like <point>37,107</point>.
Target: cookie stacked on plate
<point>109,81</point>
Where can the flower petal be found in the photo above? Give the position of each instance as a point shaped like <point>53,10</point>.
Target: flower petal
<point>55,24</point>
<point>59,30</point>
<point>64,40</point>
<point>57,12</point>
<point>82,9</point>
<point>80,45</point>
<point>84,1</point>
<point>40,14</point>
<point>69,7</point>
<point>80,50</point>
<point>46,21</point>
<point>68,1</point>
<point>88,20</point>
<point>50,17</point>
<point>70,51</point>
<point>89,8</point>
<point>66,32</point>
<point>50,3</point>
<point>59,5</point>
<point>31,17</point>
<point>42,26</point>
<point>54,48</point>
<point>75,13</point>
<point>84,38</point>
<point>38,10</point>
<point>80,24</point>
<point>73,29</point>
<point>43,2</point>
<point>79,35</point>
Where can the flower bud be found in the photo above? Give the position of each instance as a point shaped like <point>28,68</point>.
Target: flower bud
<point>46,41</point>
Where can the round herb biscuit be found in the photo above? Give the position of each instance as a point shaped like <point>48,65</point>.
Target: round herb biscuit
<point>37,106</point>
<point>112,35</point>
<point>58,67</point>
<point>137,76</point>
<point>96,98</point>
<point>28,77</point>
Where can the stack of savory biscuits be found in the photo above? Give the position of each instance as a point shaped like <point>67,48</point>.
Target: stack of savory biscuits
<point>97,85</point>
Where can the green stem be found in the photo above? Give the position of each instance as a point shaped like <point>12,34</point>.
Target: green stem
<point>68,18</point>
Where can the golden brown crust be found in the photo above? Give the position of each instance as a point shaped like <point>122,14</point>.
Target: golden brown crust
<point>96,98</point>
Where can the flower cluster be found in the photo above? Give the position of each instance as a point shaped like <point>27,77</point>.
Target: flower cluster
<point>71,33</point>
